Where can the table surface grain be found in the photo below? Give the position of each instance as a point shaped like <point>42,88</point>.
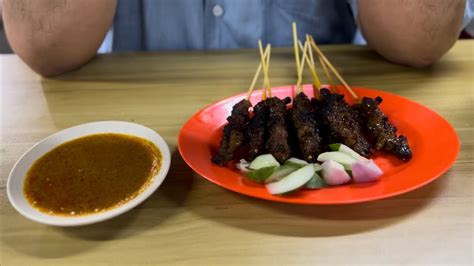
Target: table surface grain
<point>192,221</point>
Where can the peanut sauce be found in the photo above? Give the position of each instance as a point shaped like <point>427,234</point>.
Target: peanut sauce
<point>91,174</point>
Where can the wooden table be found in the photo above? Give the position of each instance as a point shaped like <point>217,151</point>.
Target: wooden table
<point>191,221</point>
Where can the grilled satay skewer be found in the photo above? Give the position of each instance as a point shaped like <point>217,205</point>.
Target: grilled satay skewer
<point>268,127</point>
<point>235,132</point>
<point>235,136</point>
<point>383,134</point>
<point>269,121</point>
<point>341,122</point>
<point>374,120</point>
<point>306,127</point>
<point>303,116</point>
<point>257,130</point>
<point>277,143</point>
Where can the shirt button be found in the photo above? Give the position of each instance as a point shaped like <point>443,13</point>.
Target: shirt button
<point>217,10</point>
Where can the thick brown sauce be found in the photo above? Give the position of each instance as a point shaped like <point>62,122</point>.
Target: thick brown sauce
<point>91,174</point>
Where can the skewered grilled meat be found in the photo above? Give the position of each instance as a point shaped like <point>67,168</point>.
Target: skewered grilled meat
<point>235,136</point>
<point>306,126</point>
<point>382,132</point>
<point>277,143</point>
<point>258,130</point>
<point>341,122</point>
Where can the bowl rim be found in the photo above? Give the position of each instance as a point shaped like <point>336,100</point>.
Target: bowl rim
<point>87,129</point>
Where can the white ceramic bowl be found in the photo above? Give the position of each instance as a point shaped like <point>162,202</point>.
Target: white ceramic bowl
<point>18,173</point>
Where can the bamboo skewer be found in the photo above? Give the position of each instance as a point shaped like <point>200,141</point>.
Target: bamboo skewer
<point>310,62</point>
<point>326,72</point>
<point>316,86</point>
<point>297,54</point>
<point>338,76</point>
<point>255,77</point>
<point>265,68</point>
<point>300,70</point>
<point>323,65</point>
<point>310,52</point>
<point>262,62</point>
<point>268,66</point>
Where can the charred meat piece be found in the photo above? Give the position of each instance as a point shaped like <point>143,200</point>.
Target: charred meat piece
<point>235,136</point>
<point>384,135</point>
<point>258,130</point>
<point>324,131</point>
<point>292,135</point>
<point>306,126</point>
<point>277,143</point>
<point>342,123</point>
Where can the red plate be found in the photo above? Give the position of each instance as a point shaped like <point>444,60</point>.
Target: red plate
<point>433,141</point>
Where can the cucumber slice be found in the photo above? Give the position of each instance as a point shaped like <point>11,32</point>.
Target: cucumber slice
<point>315,182</point>
<point>264,160</point>
<point>260,175</point>
<point>335,146</point>
<point>343,148</point>
<point>296,161</point>
<point>293,181</point>
<point>280,172</point>
<point>345,159</point>
<point>317,167</point>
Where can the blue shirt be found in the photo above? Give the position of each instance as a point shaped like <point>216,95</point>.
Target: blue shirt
<point>150,25</point>
<point>215,24</point>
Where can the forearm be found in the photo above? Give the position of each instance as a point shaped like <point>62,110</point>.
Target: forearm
<point>55,36</point>
<point>411,32</point>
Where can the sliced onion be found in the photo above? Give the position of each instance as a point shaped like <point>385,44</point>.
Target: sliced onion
<point>366,171</point>
<point>334,173</point>
<point>243,166</point>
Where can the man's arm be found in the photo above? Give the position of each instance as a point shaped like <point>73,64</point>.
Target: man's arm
<point>411,32</point>
<point>55,36</point>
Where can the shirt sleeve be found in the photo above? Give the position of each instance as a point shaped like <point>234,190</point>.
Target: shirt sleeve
<point>468,24</point>
<point>359,38</point>
<point>468,13</point>
<point>106,46</point>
